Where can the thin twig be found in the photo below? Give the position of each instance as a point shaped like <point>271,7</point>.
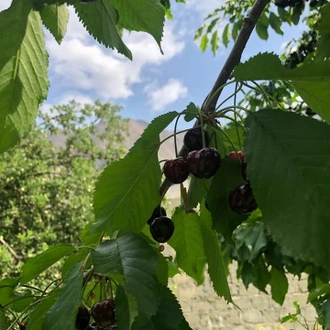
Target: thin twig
<point>233,59</point>
<point>10,249</point>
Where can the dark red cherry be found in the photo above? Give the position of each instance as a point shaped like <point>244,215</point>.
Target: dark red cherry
<point>158,212</point>
<point>161,229</point>
<point>103,313</point>
<point>82,318</point>
<point>193,139</point>
<point>237,156</point>
<point>241,199</point>
<point>176,170</point>
<point>204,163</point>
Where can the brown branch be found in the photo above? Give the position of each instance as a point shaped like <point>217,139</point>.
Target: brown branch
<point>233,59</point>
<point>10,249</point>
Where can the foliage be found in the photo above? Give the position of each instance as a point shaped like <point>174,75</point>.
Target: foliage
<point>285,165</point>
<point>46,191</point>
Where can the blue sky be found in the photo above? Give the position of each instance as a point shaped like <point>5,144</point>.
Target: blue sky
<point>152,83</point>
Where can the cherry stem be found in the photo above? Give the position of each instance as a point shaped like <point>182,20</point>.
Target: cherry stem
<point>175,128</point>
<point>236,122</point>
<point>232,95</point>
<point>237,88</point>
<point>202,128</point>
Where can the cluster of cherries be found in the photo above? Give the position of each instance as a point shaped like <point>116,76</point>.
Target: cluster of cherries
<point>103,313</point>
<point>202,162</point>
<point>241,199</point>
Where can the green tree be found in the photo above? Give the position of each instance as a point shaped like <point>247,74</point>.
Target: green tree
<point>47,180</point>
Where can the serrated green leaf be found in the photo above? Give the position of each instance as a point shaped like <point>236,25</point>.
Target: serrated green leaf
<point>212,24</point>
<point>229,176</point>
<point>267,66</point>
<point>288,160</point>
<point>326,314</point>
<point>128,190</point>
<point>169,315</point>
<point>214,42</point>
<point>279,285</point>
<point>4,322</point>
<point>74,259</point>
<point>295,15</point>
<point>123,256</point>
<point>36,265</point>
<point>188,243</point>
<point>191,112</point>
<point>316,95</point>
<point>23,71</point>
<point>284,15</point>
<point>146,15</point>
<point>262,31</point>
<point>275,23</point>
<point>102,11</point>
<point>36,317</point>
<point>162,270</point>
<point>226,35</point>
<point>55,18</point>
<point>235,29</point>
<point>126,308</point>
<point>67,302</point>
<point>216,266</point>
<point>204,43</point>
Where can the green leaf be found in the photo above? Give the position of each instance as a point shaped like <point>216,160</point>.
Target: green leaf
<point>162,270</point>
<point>7,290</point>
<point>262,31</point>
<point>324,289</point>
<point>198,189</point>
<point>323,28</point>
<point>215,42</point>
<point>67,302</point>
<point>226,35</point>
<point>204,42</point>
<point>252,236</point>
<point>169,315</point>
<point>23,73</point>
<point>36,317</point>
<point>316,95</point>
<point>289,157</point>
<point>275,23</point>
<point>128,190</point>
<point>126,308</point>
<point>188,243</point>
<point>212,248</point>
<point>326,314</point>
<point>279,285</point>
<point>4,322</point>
<point>268,66</point>
<point>55,18</point>
<point>191,112</point>
<point>93,14</point>
<point>122,256</point>
<point>36,265</point>
<point>146,15</point>
<point>74,259</point>
<point>229,176</point>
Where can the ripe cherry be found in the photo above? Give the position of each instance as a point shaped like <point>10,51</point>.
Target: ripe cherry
<point>237,156</point>
<point>176,170</point>
<point>204,163</point>
<point>161,229</point>
<point>82,318</point>
<point>241,199</point>
<point>103,313</point>
<point>158,212</point>
<point>193,139</point>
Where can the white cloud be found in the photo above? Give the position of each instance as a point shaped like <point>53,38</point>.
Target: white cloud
<point>79,63</point>
<point>204,7</point>
<point>4,4</point>
<point>161,97</point>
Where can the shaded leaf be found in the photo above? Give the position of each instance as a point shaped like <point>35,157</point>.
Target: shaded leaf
<point>188,243</point>
<point>289,157</point>
<point>262,31</point>
<point>36,265</point>
<point>122,256</point>
<point>55,18</point>
<point>226,35</point>
<point>23,71</point>
<point>279,285</point>
<point>128,190</point>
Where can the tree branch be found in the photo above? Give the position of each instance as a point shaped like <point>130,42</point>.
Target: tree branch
<point>10,249</point>
<point>233,59</point>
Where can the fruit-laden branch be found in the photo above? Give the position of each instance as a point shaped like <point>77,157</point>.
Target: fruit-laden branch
<point>233,59</point>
